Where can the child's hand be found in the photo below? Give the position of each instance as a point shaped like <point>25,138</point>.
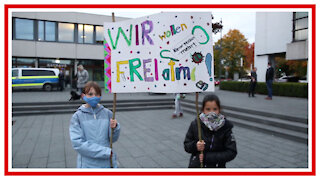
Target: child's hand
<point>200,145</point>
<point>201,158</point>
<point>113,123</point>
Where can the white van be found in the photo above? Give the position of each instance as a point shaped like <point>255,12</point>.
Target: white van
<point>45,78</point>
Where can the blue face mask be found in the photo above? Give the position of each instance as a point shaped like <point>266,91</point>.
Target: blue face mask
<point>93,101</point>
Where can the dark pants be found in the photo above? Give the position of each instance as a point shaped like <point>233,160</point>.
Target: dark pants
<point>252,88</point>
<point>61,85</point>
<point>269,87</point>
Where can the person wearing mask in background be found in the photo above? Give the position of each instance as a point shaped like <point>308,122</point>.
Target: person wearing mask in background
<point>269,80</point>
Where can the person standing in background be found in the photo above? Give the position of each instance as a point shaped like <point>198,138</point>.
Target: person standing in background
<point>177,105</point>
<point>83,77</point>
<point>269,80</point>
<point>253,82</point>
<point>61,80</point>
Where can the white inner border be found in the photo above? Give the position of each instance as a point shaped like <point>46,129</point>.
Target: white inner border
<point>151,11</point>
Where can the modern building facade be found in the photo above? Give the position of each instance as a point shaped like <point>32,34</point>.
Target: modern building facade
<point>60,40</point>
<point>280,34</point>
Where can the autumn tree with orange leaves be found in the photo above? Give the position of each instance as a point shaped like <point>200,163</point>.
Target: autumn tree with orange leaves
<point>249,57</point>
<point>233,48</point>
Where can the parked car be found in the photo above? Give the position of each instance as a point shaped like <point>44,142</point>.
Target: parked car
<point>303,80</point>
<point>288,79</point>
<point>216,82</point>
<point>245,79</point>
<point>228,79</point>
<point>26,78</point>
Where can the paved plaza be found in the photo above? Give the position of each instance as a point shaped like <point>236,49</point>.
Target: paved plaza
<point>148,139</point>
<point>279,105</point>
<point>151,139</point>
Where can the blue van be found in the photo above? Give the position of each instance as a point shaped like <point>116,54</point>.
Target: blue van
<point>45,78</point>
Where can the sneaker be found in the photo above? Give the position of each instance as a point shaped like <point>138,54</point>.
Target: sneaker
<point>181,114</point>
<point>268,98</point>
<point>174,116</point>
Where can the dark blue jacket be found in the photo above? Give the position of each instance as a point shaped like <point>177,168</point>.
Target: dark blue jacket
<point>269,73</point>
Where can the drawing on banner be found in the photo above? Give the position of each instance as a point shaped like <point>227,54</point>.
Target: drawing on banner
<point>166,52</point>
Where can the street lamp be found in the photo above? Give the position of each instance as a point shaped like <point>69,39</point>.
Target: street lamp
<point>220,50</point>
<point>241,67</point>
<point>218,47</point>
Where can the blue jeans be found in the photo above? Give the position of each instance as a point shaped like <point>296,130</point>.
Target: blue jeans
<point>269,87</point>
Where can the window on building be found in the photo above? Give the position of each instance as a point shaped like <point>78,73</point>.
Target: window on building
<point>25,62</point>
<point>14,62</point>
<point>80,33</point>
<point>98,74</point>
<point>46,31</point>
<point>54,63</point>
<point>95,69</point>
<point>40,30</point>
<point>50,31</point>
<point>66,32</point>
<point>24,29</point>
<point>99,35</point>
<point>85,33</point>
<point>300,26</point>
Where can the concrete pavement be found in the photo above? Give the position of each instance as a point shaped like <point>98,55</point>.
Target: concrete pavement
<point>145,142</point>
<point>151,139</point>
<point>279,105</point>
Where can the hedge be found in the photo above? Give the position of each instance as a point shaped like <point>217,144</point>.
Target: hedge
<point>278,89</point>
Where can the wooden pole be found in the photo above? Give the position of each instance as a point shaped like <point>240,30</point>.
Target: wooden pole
<point>113,17</point>
<point>198,122</point>
<point>112,129</point>
<point>113,110</point>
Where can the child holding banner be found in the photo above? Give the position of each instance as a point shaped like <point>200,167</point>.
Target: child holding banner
<point>218,144</point>
<point>90,129</point>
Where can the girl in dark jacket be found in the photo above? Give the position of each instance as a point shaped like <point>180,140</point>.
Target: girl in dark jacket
<point>218,144</point>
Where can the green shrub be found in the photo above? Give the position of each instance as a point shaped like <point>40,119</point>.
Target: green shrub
<point>278,89</point>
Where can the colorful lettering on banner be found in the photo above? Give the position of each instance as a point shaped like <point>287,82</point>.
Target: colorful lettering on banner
<point>118,69</point>
<point>114,46</point>
<point>173,31</point>
<point>173,44</point>
<point>146,31</point>
<point>133,69</point>
<point>147,70</point>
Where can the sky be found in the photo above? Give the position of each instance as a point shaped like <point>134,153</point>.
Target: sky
<point>243,21</point>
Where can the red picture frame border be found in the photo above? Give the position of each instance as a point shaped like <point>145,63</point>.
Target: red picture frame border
<point>170,6</point>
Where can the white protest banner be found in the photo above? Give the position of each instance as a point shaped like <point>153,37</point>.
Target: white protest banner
<point>166,52</point>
